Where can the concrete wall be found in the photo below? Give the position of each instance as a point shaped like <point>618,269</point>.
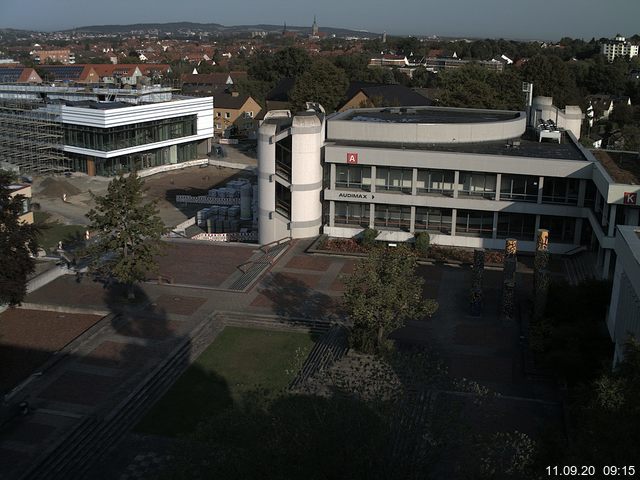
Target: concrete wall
<point>624,311</point>
<point>306,176</point>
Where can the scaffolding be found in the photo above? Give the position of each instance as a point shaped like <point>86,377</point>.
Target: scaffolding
<point>31,137</point>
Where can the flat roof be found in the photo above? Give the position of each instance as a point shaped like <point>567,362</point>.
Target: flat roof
<point>528,147</point>
<point>427,115</point>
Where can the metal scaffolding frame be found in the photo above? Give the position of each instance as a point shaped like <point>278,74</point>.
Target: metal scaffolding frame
<point>31,137</point>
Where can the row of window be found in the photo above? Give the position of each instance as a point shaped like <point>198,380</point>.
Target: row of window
<point>442,182</point>
<point>116,138</point>
<point>135,161</point>
<point>439,220</point>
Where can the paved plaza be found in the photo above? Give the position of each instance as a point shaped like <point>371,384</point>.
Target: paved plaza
<point>124,342</point>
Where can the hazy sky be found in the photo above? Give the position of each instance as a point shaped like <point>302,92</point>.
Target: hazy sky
<point>528,19</point>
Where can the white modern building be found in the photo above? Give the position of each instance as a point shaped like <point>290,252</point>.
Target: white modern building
<point>470,178</point>
<point>618,47</point>
<point>623,320</point>
<point>104,131</point>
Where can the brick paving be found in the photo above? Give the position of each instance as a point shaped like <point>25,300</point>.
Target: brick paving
<point>202,263</point>
<point>80,388</point>
<point>29,337</point>
<point>307,262</point>
<point>178,304</point>
<point>104,369</point>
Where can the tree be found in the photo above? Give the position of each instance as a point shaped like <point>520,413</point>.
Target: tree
<point>473,86</point>
<point>382,294</point>
<point>17,241</point>
<point>324,83</point>
<point>551,77</point>
<point>127,231</point>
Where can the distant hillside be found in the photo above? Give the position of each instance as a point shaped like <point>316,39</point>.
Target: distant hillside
<point>215,28</point>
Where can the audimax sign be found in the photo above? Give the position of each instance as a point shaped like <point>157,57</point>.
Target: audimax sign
<point>363,196</point>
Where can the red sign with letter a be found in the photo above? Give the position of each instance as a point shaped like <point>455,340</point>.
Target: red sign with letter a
<point>630,198</point>
<point>352,158</point>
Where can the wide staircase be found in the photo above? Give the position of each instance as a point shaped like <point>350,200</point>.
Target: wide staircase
<point>74,454</point>
<point>579,268</point>
<point>254,268</point>
<point>329,348</point>
<point>274,322</point>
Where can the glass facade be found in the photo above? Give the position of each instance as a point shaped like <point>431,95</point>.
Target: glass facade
<point>283,158</point>
<point>394,179</point>
<point>474,223</point>
<point>433,219</point>
<point>392,216</point>
<point>477,184</point>
<point>347,213</point>
<point>135,161</point>
<point>561,229</point>
<point>560,190</point>
<point>352,177</point>
<point>519,188</point>
<point>133,135</point>
<point>439,182</point>
<point>283,200</point>
<point>516,225</point>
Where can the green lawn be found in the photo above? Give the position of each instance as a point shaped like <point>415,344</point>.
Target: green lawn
<point>239,360</point>
<point>54,232</point>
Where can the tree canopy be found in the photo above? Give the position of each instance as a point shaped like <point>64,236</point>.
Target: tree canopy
<point>127,232</point>
<point>323,82</point>
<point>17,241</point>
<point>382,294</point>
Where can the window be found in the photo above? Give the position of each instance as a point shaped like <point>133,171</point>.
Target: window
<point>394,179</point>
<point>132,135</point>
<point>356,214</point>
<point>227,114</point>
<point>560,190</point>
<point>519,188</point>
<point>561,229</point>
<point>477,184</point>
<point>433,220</point>
<point>352,177</point>
<point>392,216</point>
<point>474,223</point>
<point>516,225</point>
<point>283,200</point>
<point>436,182</point>
<point>218,114</point>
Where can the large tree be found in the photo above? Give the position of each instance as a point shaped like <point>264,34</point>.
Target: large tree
<point>382,294</point>
<point>127,233</point>
<point>17,241</point>
<point>323,82</point>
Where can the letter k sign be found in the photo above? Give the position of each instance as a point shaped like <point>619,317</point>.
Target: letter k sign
<point>352,158</point>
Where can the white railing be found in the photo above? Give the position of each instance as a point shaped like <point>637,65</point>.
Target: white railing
<point>204,199</point>
<point>226,237</point>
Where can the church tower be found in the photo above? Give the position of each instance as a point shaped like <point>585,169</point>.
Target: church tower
<point>314,27</point>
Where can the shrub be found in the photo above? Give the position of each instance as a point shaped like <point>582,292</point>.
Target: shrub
<point>422,243</point>
<point>368,238</point>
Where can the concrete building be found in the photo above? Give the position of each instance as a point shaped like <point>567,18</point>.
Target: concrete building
<point>64,56</point>
<point>624,311</point>
<point>471,178</point>
<point>102,131</point>
<point>618,47</point>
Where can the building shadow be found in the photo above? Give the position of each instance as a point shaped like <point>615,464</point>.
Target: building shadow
<point>294,299</point>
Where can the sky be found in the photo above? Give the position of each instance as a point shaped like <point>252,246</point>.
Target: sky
<point>514,19</point>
